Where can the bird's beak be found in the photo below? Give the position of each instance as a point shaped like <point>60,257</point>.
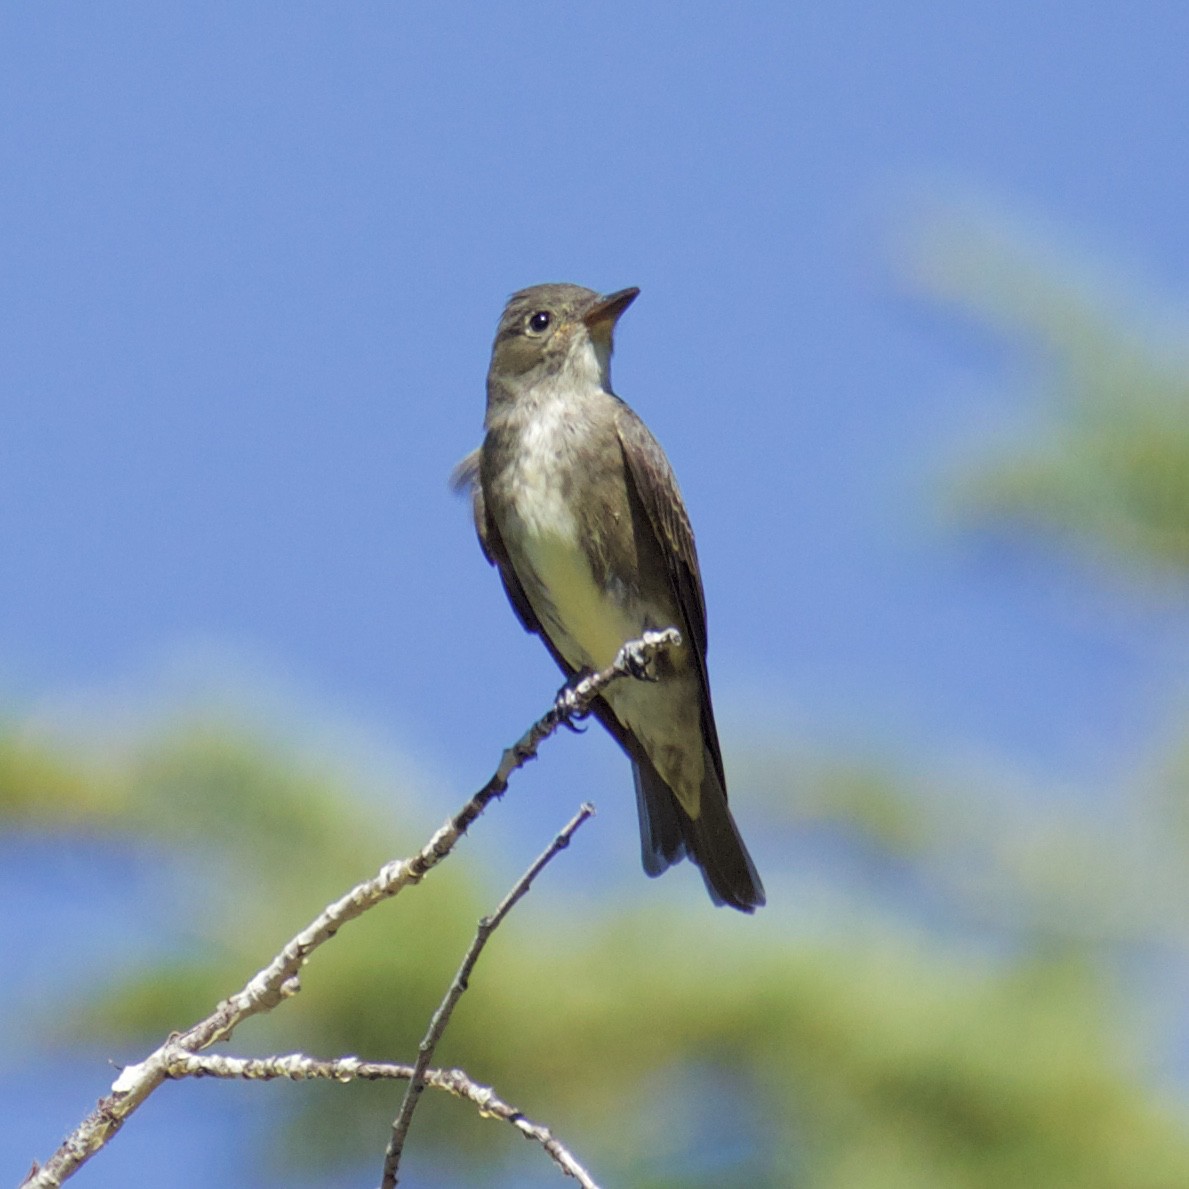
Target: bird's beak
<point>602,316</point>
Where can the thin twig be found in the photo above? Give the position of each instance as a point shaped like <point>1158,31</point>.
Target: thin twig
<point>634,659</point>
<point>441,1017</point>
<point>280,978</point>
<point>300,1067</point>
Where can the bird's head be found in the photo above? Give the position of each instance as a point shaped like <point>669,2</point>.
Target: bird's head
<point>553,330</point>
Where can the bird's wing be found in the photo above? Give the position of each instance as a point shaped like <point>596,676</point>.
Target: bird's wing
<point>465,475</point>
<point>651,479</point>
<point>656,488</point>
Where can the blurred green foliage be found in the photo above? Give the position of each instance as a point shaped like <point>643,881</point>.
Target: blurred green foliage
<point>1107,463</point>
<point>668,1048</point>
<point>947,1012</point>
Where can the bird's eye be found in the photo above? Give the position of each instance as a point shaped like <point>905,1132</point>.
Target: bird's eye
<point>538,323</point>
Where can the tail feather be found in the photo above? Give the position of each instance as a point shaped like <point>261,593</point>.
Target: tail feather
<point>712,840</point>
<point>662,841</point>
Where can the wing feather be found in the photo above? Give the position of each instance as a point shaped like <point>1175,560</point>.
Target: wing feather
<point>655,485</point>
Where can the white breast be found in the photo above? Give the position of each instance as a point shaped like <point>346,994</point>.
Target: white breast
<point>587,626</point>
<point>538,484</point>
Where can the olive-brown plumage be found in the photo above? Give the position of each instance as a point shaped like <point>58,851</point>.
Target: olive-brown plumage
<point>576,505</point>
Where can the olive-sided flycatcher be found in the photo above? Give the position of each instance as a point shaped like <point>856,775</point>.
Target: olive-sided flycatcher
<point>576,505</point>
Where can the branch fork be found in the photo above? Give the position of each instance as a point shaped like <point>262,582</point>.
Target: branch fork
<point>181,1055</point>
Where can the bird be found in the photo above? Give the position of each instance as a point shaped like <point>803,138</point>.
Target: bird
<point>578,509</point>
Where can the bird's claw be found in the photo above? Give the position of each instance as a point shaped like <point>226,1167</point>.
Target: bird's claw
<point>638,663</point>
<point>571,711</point>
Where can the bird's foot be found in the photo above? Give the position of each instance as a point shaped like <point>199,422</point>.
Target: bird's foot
<point>571,711</point>
<point>638,658</point>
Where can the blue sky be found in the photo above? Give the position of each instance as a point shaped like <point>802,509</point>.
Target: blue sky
<point>251,260</point>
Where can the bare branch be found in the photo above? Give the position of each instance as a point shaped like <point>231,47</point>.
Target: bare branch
<point>633,660</point>
<point>441,1017</point>
<point>299,1067</point>
<point>280,978</point>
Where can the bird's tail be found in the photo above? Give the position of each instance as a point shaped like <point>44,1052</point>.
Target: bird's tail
<point>712,840</point>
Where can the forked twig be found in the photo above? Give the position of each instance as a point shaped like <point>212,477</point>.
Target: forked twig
<point>299,1067</point>
<point>280,978</point>
<point>441,1017</point>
